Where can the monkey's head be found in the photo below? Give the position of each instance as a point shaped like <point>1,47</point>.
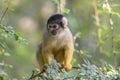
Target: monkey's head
<point>56,24</point>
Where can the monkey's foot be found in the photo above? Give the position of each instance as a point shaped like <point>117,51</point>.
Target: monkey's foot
<point>68,67</point>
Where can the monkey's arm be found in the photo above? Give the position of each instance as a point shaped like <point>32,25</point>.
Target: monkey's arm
<point>68,53</point>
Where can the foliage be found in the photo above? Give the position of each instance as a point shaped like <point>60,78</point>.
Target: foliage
<point>7,32</point>
<point>86,71</point>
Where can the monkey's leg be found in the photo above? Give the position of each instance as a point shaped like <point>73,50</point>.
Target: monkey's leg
<point>68,53</point>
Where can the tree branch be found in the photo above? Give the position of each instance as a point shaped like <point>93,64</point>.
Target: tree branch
<point>35,75</point>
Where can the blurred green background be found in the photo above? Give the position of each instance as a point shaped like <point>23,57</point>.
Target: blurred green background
<point>29,17</point>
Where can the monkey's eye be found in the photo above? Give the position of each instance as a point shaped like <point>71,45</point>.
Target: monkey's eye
<point>55,26</point>
<point>49,26</point>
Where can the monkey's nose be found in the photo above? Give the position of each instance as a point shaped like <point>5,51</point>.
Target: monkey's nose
<point>53,32</point>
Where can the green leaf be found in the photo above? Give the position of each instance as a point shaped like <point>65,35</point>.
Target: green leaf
<point>4,45</point>
<point>105,27</point>
<point>73,61</point>
<point>55,1</point>
<point>1,26</point>
<point>81,51</point>
<point>116,13</point>
<point>17,35</point>
<point>10,66</point>
<point>104,6</point>
<point>66,11</point>
<point>12,9</point>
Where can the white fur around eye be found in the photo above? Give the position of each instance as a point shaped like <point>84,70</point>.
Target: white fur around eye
<point>49,26</point>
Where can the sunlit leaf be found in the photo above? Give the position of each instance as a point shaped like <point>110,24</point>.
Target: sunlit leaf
<point>66,11</point>
<point>12,9</point>
<point>105,27</point>
<point>104,6</point>
<point>116,13</point>
<point>10,66</point>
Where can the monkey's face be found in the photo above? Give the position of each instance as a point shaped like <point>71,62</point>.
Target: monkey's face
<point>56,24</point>
<point>53,29</point>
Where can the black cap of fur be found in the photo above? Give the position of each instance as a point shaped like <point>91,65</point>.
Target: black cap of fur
<point>56,18</point>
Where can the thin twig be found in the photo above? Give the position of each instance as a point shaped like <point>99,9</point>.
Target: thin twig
<point>36,75</point>
<point>112,30</point>
<point>4,13</point>
<point>75,67</point>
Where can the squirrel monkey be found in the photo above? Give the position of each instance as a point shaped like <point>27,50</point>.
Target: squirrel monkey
<point>57,41</point>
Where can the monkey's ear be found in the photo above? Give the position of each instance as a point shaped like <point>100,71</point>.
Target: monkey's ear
<point>64,22</point>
